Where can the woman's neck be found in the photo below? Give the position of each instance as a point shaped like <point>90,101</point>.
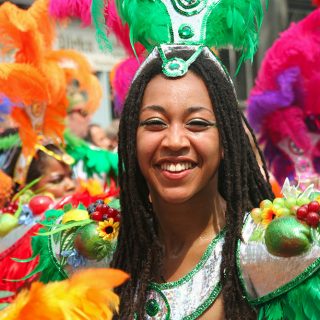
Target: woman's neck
<point>200,218</point>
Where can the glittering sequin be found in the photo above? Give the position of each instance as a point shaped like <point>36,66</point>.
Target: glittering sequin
<point>174,299</point>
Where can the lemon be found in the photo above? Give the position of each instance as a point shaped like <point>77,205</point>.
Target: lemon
<point>75,215</point>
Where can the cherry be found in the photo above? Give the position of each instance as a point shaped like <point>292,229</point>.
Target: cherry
<point>97,216</point>
<point>314,206</point>
<point>312,219</point>
<point>302,212</point>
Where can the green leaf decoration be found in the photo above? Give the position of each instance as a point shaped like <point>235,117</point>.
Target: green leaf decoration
<point>6,294</point>
<point>315,235</point>
<point>257,235</point>
<point>27,187</point>
<point>67,207</point>
<point>66,226</point>
<point>81,207</point>
<point>115,204</point>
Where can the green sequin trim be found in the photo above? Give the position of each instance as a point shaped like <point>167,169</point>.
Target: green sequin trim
<point>187,277</point>
<point>309,271</point>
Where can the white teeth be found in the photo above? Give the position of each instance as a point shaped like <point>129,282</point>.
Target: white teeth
<point>176,167</point>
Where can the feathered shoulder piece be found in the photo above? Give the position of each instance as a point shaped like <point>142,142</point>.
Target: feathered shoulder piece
<point>212,23</point>
<point>88,294</point>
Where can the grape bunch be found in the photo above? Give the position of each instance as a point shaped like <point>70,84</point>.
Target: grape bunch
<point>11,207</point>
<point>310,213</point>
<point>279,207</point>
<point>99,211</point>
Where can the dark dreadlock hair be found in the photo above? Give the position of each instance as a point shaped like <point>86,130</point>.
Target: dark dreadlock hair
<point>241,183</point>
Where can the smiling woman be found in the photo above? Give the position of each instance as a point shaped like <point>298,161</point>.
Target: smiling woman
<point>188,174</point>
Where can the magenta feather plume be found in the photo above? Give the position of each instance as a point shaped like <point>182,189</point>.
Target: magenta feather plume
<point>297,46</point>
<point>288,123</point>
<point>81,9</point>
<point>316,2</point>
<point>285,102</point>
<point>120,30</point>
<point>123,75</point>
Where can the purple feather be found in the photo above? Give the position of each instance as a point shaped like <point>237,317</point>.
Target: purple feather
<point>263,104</point>
<point>5,106</point>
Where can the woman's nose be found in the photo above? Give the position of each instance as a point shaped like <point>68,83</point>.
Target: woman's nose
<point>176,138</point>
<point>69,185</point>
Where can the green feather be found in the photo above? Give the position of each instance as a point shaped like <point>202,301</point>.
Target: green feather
<point>149,21</point>
<point>301,302</point>
<point>95,161</point>
<point>97,14</point>
<point>47,266</point>
<point>236,23</point>
<point>9,142</point>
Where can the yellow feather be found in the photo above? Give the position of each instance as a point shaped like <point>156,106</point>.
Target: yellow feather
<point>87,295</point>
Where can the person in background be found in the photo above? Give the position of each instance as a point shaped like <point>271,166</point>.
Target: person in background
<point>112,132</point>
<point>97,136</point>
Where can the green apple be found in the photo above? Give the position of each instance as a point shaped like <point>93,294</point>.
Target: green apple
<point>7,223</point>
<point>287,237</point>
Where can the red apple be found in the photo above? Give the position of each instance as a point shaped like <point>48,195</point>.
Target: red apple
<point>39,204</point>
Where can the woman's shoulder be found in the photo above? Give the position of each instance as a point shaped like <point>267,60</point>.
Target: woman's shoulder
<point>279,257</point>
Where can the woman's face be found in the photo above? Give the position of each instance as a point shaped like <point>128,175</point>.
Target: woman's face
<point>57,179</point>
<point>178,143</point>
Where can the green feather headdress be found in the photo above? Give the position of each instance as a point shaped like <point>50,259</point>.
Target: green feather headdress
<point>210,23</point>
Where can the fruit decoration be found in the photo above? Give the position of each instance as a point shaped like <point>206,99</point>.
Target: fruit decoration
<point>76,214</point>
<point>39,204</point>
<point>99,211</point>
<point>288,225</point>
<point>90,245</point>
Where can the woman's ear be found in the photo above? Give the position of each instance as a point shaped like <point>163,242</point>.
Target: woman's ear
<point>222,154</point>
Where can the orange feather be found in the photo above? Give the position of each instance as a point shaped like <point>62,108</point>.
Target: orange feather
<point>87,295</point>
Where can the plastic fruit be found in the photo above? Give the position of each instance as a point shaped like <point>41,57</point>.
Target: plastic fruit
<point>7,223</point>
<point>312,219</point>
<point>97,216</point>
<point>265,204</point>
<point>287,237</point>
<point>75,215</point>
<point>256,215</point>
<point>302,212</point>
<point>88,243</point>
<point>39,204</point>
<point>314,206</point>
<point>279,202</point>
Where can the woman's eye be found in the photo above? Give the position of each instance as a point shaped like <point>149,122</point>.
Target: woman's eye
<point>200,124</point>
<point>57,180</point>
<point>153,124</point>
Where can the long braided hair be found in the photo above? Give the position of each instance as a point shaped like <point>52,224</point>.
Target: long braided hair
<point>241,183</point>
